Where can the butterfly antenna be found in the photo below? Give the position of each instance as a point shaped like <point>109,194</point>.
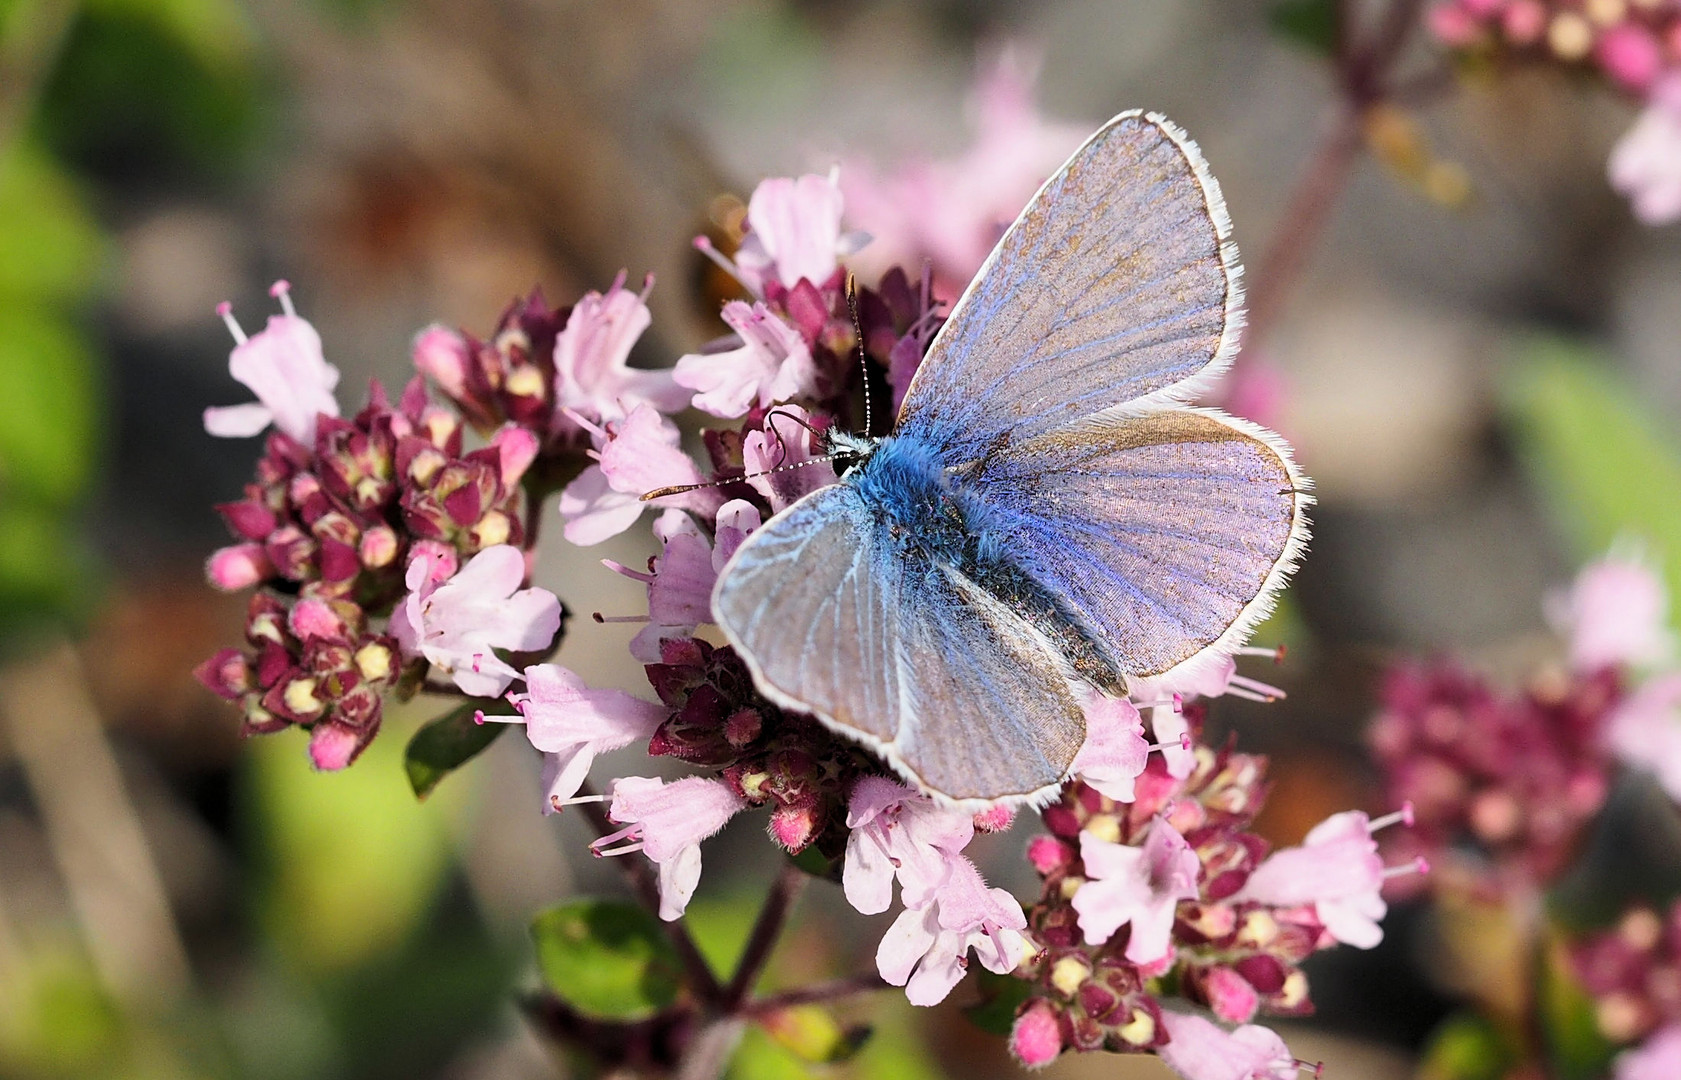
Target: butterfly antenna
<point>863,359</point>
<point>782,451</point>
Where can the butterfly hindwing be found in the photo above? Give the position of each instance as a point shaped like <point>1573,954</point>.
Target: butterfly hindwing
<point>1116,283</point>
<point>1164,534</point>
<point>904,654</point>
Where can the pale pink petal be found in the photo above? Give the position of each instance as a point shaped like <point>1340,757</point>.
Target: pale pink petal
<point>1615,613</point>
<point>516,448</point>
<point>785,446</point>
<point>793,230</point>
<point>561,711</point>
<point>1658,1058</point>
<point>1114,753</point>
<point>441,354</point>
<point>1198,1049</point>
<point>676,815</point>
<point>773,364</point>
<point>905,943</point>
<point>283,365</point>
<point>679,875</point>
<point>594,511</point>
<point>1645,165</point>
<point>237,421</point>
<point>592,359</point>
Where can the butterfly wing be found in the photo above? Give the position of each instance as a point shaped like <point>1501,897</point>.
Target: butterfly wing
<point>1160,534</point>
<point>961,695</point>
<point>1116,287</point>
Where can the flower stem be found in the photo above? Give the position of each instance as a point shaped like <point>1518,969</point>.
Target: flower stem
<point>642,883</point>
<point>864,982</point>
<point>773,916</point>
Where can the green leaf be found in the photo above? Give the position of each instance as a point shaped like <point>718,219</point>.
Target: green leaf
<point>606,958</point>
<point>995,1013</point>
<point>1466,1047</point>
<point>1311,24</point>
<point>447,743</point>
<point>217,33</point>
<point>50,248</point>
<point>1605,463</point>
<point>1575,1046</point>
<point>811,1034</point>
<point>759,1057</point>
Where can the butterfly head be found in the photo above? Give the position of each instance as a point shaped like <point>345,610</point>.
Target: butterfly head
<point>848,451</point>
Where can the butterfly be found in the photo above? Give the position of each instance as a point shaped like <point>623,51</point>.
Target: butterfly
<point>1049,516</point>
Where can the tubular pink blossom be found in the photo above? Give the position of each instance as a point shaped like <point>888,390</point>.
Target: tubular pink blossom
<point>1645,165</point>
<point>571,724</point>
<point>1114,753</point>
<point>898,832</point>
<point>458,624</point>
<point>667,822</point>
<point>638,455</point>
<point>1615,613</point>
<point>773,364</point>
<point>793,231</point>
<point>593,375</point>
<point>1198,1049</point>
<point>1138,885</point>
<point>441,354</point>
<point>926,949</point>
<point>1337,870</point>
<point>283,365</point>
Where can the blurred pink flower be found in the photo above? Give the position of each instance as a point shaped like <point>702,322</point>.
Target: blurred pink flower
<point>1199,1049</point>
<point>458,624</point>
<point>283,365</point>
<point>1658,1058</point>
<point>1644,730</point>
<point>637,455</point>
<point>794,232</point>
<point>773,364</point>
<point>1645,165</point>
<point>1615,614</point>
<point>667,822</point>
<point>952,212</point>
<point>571,724</point>
<point>1337,870</point>
<point>1114,752</point>
<point>1137,885</point>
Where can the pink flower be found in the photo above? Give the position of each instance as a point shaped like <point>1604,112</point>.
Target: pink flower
<point>926,950</point>
<point>1137,885</point>
<point>898,832</point>
<point>637,455</point>
<point>785,445</point>
<point>681,581</point>
<point>1658,1058</point>
<point>442,355</point>
<point>952,212</point>
<point>1645,731</point>
<point>668,822</point>
<point>1615,614</point>
<point>284,367</point>
<point>1645,165</point>
<point>1114,752</point>
<point>1036,1037</point>
<point>793,232</point>
<point>1337,870</point>
<point>593,375</point>
<point>1631,55</point>
<point>1199,1049</point>
<point>773,364</point>
<point>571,724</point>
<point>456,625</point>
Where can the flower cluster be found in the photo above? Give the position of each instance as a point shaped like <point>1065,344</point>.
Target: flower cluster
<point>1635,44</point>
<point>352,521</point>
<point>1633,972</point>
<point>1518,778</point>
<point>1171,889</point>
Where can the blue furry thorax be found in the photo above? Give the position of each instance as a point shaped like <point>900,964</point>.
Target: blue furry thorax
<point>924,507</point>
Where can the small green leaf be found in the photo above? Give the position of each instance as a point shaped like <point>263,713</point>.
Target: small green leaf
<point>1466,1047</point>
<point>606,959</point>
<point>1606,464</point>
<point>995,1013</point>
<point>1311,24</point>
<point>447,743</point>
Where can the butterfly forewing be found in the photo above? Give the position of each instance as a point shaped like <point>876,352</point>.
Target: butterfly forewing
<point>1116,283</point>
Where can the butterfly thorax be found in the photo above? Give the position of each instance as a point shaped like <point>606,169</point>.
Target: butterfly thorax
<point>934,519</point>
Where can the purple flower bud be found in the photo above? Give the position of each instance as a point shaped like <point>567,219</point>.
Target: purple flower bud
<point>248,518</point>
<point>227,674</point>
<point>379,547</point>
<point>238,567</point>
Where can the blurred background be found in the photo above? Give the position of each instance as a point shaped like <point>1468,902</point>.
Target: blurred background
<point>1481,368</point>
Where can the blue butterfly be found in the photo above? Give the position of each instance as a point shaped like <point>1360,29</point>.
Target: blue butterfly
<point>1047,515</point>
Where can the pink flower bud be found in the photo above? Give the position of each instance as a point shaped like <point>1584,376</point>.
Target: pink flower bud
<point>516,449</point>
<point>227,674</point>
<point>1048,854</point>
<point>1230,995</point>
<point>378,548</point>
<point>793,827</point>
<point>317,619</point>
<point>249,519</point>
<point>1525,21</point>
<point>996,819</point>
<point>333,746</point>
<point>238,567</point>
<point>1036,1038</point>
<point>441,354</point>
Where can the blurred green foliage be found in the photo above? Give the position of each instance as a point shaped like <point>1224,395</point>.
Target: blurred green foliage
<point>608,959</point>
<point>1467,1047</point>
<point>1606,465</point>
<point>1311,24</point>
